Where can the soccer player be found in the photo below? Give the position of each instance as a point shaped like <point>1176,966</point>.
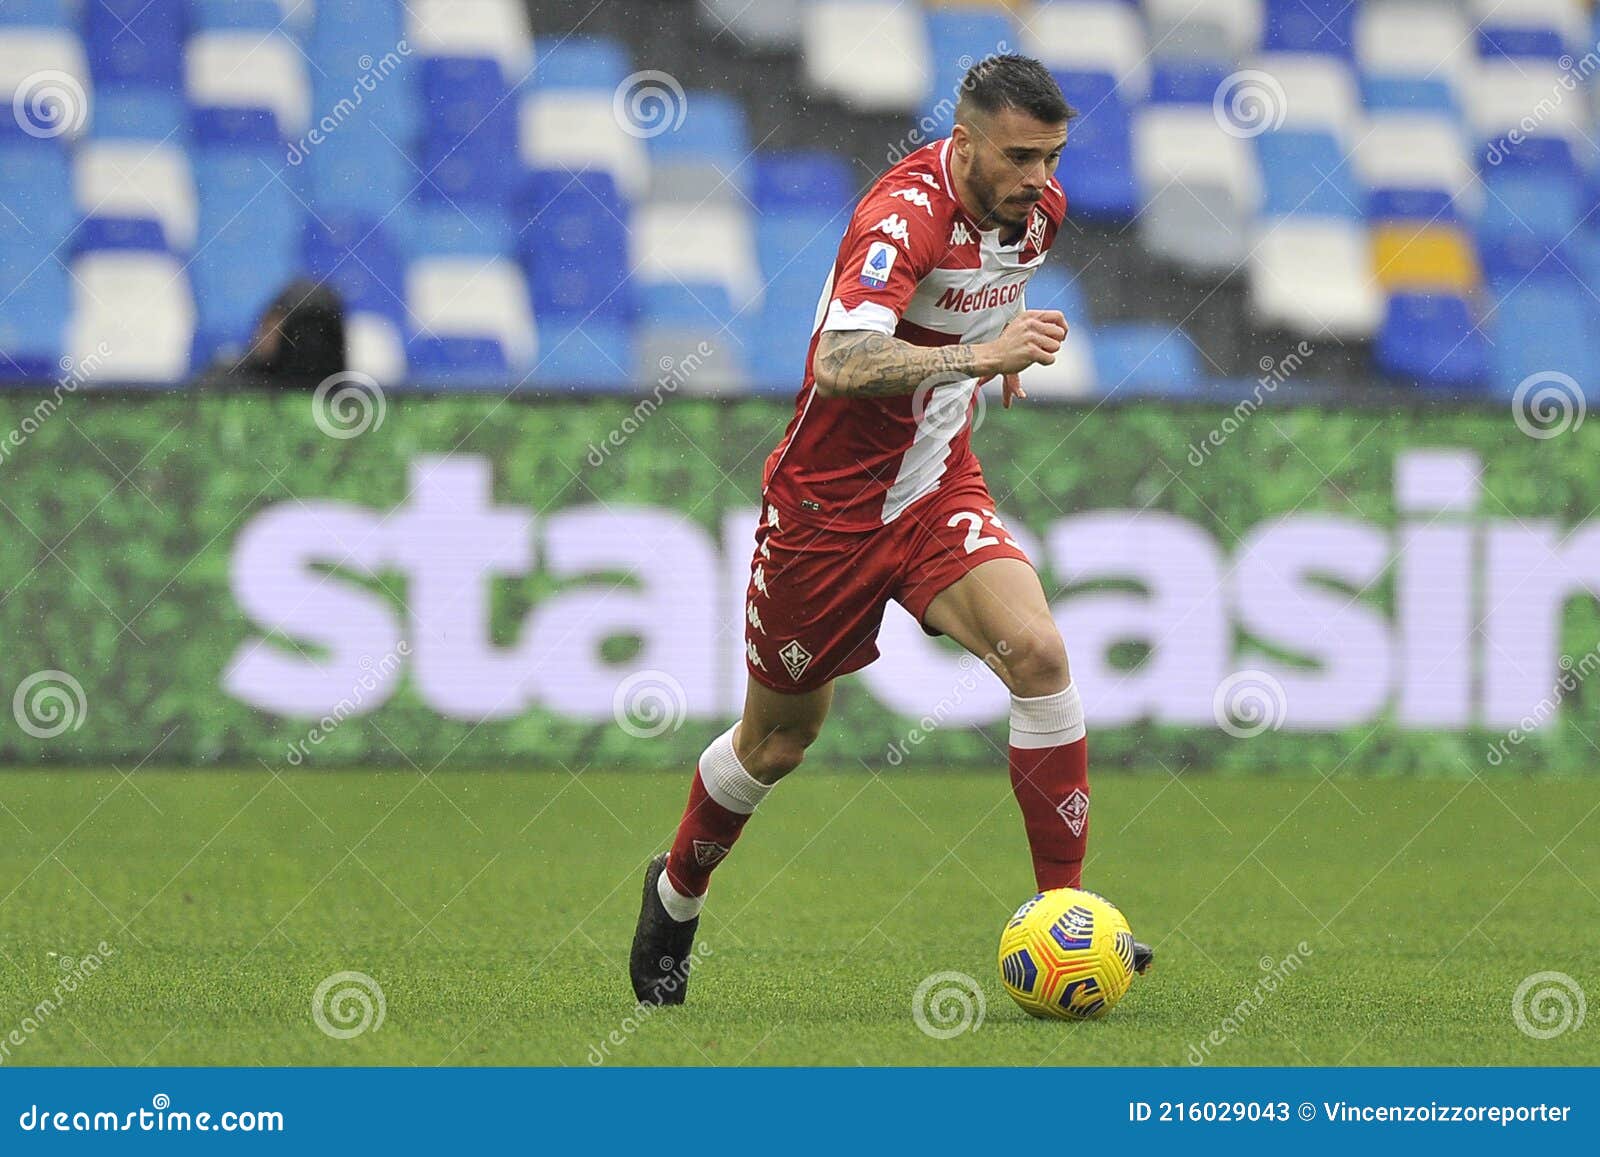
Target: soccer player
<point>874,494</point>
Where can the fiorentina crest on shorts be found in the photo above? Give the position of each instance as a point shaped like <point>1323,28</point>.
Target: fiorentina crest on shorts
<point>707,853</point>
<point>1075,810</point>
<point>795,658</point>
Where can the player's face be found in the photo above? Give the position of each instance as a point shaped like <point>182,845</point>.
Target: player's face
<point>1011,159</point>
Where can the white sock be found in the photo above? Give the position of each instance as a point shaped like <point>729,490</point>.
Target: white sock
<point>730,787</point>
<point>1047,720</point>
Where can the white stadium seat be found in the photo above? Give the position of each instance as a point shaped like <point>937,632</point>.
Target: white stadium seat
<point>474,297</point>
<point>1415,38</point>
<point>237,69</point>
<point>138,179</point>
<point>1314,276</point>
<point>375,347</point>
<point>1319,92</point>
<point>1233,26</point>
<point>709,244</point>
<point>772,24</point>
<point>1414,151</point>
<point>497,29</point>
<point>1505,92</point>
<point>1092,36</point>
<point>871,54</point>
<point>568,129</point>
<point>138,309</point>
<point>27,58</point>
<point>1200,187</point>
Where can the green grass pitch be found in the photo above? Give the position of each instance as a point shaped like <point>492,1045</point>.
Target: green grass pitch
<point>494,910</point>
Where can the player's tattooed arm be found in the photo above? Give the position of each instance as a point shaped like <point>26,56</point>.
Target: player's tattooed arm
<point>867,364</point>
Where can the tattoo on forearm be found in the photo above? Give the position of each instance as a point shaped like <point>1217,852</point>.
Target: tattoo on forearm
<point>863,364</point>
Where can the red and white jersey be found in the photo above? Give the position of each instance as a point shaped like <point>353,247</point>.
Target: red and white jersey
<point>913,265</point>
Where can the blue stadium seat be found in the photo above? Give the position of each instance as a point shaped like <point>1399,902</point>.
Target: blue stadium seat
<point>1519,41</point>
<point>428,229</point>
<point>36,189</point>
<point>215,15</point>
<point>249,244</point>
<point>33,317</point>
<point>954,35</point>
<point>139,114</point>
<point>1184,81</point>
<point>458,362</point>
<point>713,129</point>
<point>132,42</point>
<point>594,355</point>
<point>1309,26</point>
<point>1540,328</point>
<point>669,303</point>
<point>582,62</point>
<point>1408,94</point>
<point>1521,202</point>
<point>1411,205</point>
<point>1431,339</point>
<point>1097,166</point>
<point>364,173</point>
<point>573,246</point>
<point>1306,173</point>
<point>354,254</point>
<point>1146,357</point>
<point>801,180</point>
<point>469,136</point>
<point>234,127</point>
<point>105,232</point>
<point>35,13</point>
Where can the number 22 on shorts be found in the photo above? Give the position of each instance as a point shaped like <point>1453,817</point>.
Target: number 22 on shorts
<point>976,540</point>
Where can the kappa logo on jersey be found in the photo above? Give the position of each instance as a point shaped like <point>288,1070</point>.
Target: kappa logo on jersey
<point>754,617</point>
<point>772,517</point>
<point>895,226</point>
<point>707,853</point>
<point>754,656</point>
<point>1075,811</point>
<point>916,197</point>
<point>960,235</point>
<point>875,269</point>
<point>758,578</point>
<point>795,659</point>
<point>1035,237</point>
<point>926,179</point>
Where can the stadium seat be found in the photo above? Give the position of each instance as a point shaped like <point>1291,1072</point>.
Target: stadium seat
<point>356,255</point>
<point>582,62</point>
<point>674,351</point>
<point>222,15</point>
<point>250,226</point>
<point>1145,358</point>
<point>33,313</point>
<point>135,312</point>
<point>373,346</point>
<point>1178,80</point>
<point>710,245</point>
<point>38,104</point>
<point>801,180</point>
<point>591,356</point>
<point>362,77</point>
<point>472,298</point>
<point>1566,19</point>
<point>765,24</point>
<point>133,114</point>
<point>1314,276</point>
<point>1418,256</point>
<point>364,173</point>
<point>494,28</point>
<point>459,362</point>
<point>1212,30</point>
<point>1318,93</point>
<point>1306,173</point>
<point>35,13</point>
<point>871,54</point>
<point>1092,36</point>
<point>1309,26</point>
<point>1406,94</point>
<point>576,130</point>
<point>136,43</point>
<point>957,35</point>
<point>1505,93</point>
<point>1414,38</point>
<point>36,192</point>
<point>1416,152</point>
<point>139,179</point>
<point>573,245</point>
<point>247,70</point>
<point>1432,340</point>
<point>1200,187</point>
<point>1097,167</point>
<point>1541,328</point>
<point>706,156</point>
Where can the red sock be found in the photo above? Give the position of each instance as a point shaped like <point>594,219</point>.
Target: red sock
<point>1050,776</point>
<point>721,798</point>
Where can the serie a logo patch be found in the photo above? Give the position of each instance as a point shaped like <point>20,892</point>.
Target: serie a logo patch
<point>875,269</point>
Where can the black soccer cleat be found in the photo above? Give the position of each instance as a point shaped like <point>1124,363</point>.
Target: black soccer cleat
<point>1143,957</point>
<point>659,963</point>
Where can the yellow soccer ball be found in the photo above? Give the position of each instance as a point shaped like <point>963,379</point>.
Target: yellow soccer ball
<point>1067,954</point>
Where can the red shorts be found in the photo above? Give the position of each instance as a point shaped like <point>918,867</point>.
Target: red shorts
<point>816,596</point>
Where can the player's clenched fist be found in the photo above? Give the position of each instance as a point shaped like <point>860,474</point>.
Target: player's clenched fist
<point>1031,338</point>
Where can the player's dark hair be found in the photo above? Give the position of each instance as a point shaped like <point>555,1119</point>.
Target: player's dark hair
<point>1013,81</point>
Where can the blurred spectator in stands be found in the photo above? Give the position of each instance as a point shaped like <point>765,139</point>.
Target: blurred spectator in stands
<point>299,341</point>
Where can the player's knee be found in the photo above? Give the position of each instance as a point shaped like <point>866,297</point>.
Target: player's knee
<point>780,753</point>
<point>1037,665</point>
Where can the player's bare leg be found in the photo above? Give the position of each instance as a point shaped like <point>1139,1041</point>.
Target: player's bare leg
<point>999,612</point>
<point>733,776</point>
